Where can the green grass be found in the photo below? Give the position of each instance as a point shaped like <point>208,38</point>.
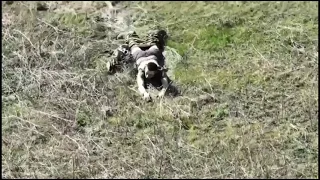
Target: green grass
<point>63,116</point>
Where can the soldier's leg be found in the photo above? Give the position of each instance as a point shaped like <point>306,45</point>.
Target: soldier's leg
<point>143,42</point>
<point>158,37</point>
<point>113,60</point>
<point>131,38</point>
<point>134,48</point>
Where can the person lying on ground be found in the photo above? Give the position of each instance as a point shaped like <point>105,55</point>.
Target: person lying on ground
<point>150,64</point>
<point>149,60</point>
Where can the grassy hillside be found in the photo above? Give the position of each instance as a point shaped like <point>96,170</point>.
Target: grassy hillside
<point>256,64</point>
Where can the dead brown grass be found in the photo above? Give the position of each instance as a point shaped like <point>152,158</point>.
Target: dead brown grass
<point>63,116</point>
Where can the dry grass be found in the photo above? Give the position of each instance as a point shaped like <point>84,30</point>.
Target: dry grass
<point>254,65</point>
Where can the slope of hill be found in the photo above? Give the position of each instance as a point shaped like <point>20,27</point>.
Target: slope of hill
<point>254,64</point>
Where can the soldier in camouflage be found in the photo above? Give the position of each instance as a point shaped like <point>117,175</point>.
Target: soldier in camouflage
<point>122,54</point>
<point>147,56</point>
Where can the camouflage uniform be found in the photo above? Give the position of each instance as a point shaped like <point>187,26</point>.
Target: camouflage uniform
<point>120,57</point>
<point>122,54</point>
<point>153,38</point>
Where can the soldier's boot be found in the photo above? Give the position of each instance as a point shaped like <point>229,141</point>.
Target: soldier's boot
<point>113,60</point>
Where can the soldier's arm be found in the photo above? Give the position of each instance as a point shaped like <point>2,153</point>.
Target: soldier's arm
<point>165,84</point>
<point>140,82</point>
